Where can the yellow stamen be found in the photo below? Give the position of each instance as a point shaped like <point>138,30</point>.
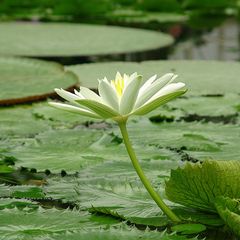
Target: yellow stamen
<point>119,85</point>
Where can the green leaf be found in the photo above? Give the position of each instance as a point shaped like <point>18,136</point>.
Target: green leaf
<point>199,141</point>
<point>76,40</point>
<point>111,175</point>
<point>119,234</point>
<point>201,108</point>
<point>189,228</point>
<point>72,149</point>
<point>205,77</point>
<point>229,210</point>
<point>67,150</point>
<point>5,169</point>
<point>25,80</point>
<point>28,224</point>
<point>198,185</point>
<point>113,188</point>
<point>17,203</point>
<point>18,122</point>
<point>21,191</point>
<point>31,193</point>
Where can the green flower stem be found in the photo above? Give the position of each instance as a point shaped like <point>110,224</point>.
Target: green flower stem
<point>155,196</point>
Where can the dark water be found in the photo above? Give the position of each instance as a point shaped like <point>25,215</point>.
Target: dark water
<point>221,43</point>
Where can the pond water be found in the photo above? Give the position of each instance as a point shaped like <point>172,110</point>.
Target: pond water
<point>221,43</point>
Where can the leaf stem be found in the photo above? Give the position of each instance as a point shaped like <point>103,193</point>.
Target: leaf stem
<point>155,196</point>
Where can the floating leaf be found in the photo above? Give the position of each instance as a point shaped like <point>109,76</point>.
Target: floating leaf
<point>21,191</point>
<point>202,108</point>
<point>72,149</point>
<point>18,122</point>
<point>25,224</point>
<point>198,185</point>
<point>19,203</point>
<point>25,80</point>
<point>189,228</point>
<point>205,77</point>
<point>196,140</point>
<point>31,193</point>
<point>118,234</point>
<point>62,39</point>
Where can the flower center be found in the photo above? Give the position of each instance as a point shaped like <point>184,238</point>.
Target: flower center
<point>119,85</point>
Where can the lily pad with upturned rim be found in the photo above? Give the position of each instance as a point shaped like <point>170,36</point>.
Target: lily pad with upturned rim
<point>75,40</point>
<point>25,80</point>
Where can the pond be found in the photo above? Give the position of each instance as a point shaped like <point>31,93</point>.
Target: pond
<point>61,172</point>
<point>221,43</point>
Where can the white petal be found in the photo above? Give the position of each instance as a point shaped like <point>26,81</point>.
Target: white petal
<point>157,102</point>
<point>173,87</point>
<point>153,88</point>
<point>132,76</point>
<point>78,93</point>
<point>129,96</point>
<point>89,94</point>
<point>108,94</point>
<point>118,76</point>
<point>147,83</point>
<point>73,109</point>
<point>100,109</point>
<point>67,95</point>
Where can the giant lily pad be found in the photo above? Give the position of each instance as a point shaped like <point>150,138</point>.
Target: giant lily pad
<point>55,224</point>
<point>198,140</point>
<point>72,149</point>
<point>208,77</point>
<point>24,80</point>
<point>58,40</point>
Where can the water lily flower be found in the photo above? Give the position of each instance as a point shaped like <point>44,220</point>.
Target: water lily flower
<point>124,96</point>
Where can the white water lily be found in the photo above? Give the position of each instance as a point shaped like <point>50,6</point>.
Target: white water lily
<point>122,97</point>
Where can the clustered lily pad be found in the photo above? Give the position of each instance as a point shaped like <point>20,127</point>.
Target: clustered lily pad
<point>100,181</point>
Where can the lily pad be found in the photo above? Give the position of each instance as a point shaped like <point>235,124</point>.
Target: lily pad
<point>25,80</point>
<point>189,228</point>
<point>199,185</point>
<point>16,203</point>
<point>120,234</point>
<point>199,141</point>
<point>19,122</point>
<point>62,39</point>
<point>201,77</point>
<point>72,149</point>
<point>217,109</point>
<point>42,223</point>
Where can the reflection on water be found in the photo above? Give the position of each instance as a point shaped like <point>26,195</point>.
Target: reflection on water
<point>221,43</point>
